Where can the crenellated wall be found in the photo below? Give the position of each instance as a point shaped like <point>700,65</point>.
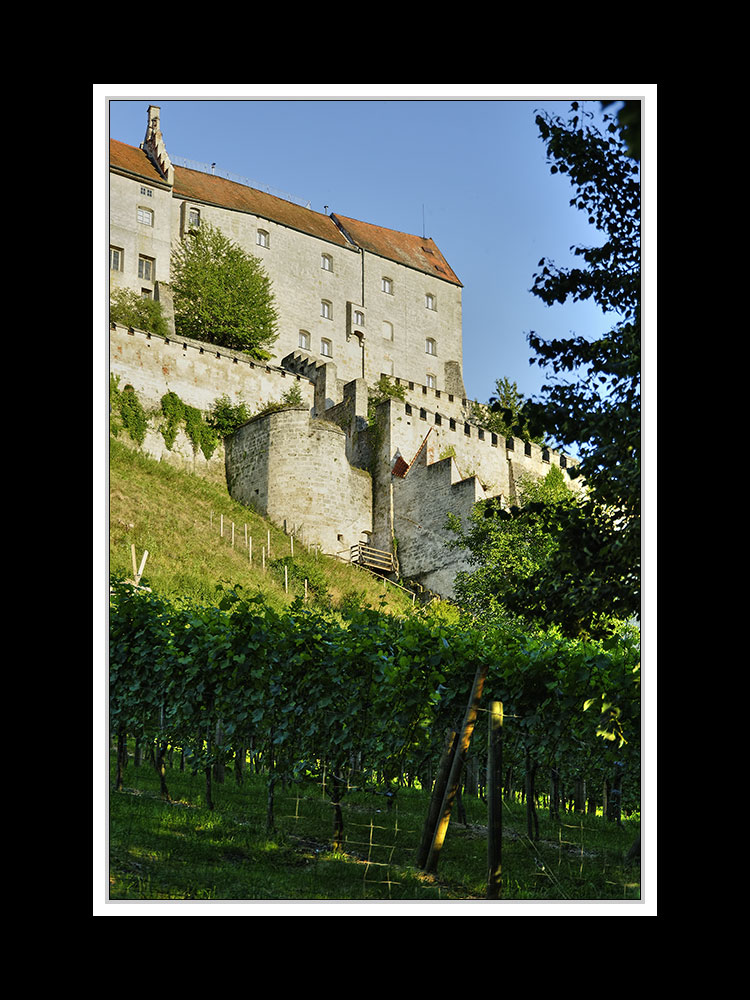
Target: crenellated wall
<point>322,469</point>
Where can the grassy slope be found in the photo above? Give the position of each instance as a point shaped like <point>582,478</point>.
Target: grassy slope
<point>176,517</point>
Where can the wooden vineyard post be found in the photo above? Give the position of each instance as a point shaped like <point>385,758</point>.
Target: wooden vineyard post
<point>438,792</point>
<point>495,800</point>
<point>467,729</point>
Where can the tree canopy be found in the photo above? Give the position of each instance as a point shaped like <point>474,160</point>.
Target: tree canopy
<point>592,400</point>
<point>222,295</point>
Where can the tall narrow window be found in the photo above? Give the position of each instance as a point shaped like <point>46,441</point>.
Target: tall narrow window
<point>387,330</point>
<point>326,309</point>
<point>326,262</point>
<point>194,218</point>
<point>304,340</point>
<point>430,381</point>
<point>430,346</point>
<point>115,259</point>
<point>146,268</point>
<point>326,348</point>
<point>429,301</point>
<point>359,318</point>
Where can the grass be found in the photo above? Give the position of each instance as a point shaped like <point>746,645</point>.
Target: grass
<point>181,850</point>
<point>178,518</point>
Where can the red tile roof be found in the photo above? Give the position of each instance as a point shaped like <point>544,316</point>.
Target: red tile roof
<point>133,160</point>
<point>212,190</point>
<point>412,251</point>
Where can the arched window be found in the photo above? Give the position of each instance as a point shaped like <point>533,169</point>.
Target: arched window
<point>326,348</point>
<point>304,340</point>
<point>326,309</point>
<point>387,330</point>
<point>430,346</point>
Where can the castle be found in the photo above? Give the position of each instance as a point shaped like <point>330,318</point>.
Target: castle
<point>355,301</point>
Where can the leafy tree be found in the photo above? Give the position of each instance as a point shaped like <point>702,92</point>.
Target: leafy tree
<point>222,295</point>
<point>506,549</point>
<point>131,309</point>
<point>595,571</point>
<point>506,411</point>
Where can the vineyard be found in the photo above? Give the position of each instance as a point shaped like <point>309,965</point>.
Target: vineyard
<point>364,707</point>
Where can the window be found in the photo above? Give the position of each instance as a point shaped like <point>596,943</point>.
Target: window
<point>326,262</point>
<point>194,218</point>
<point>304,340</point>
<point>429,301</point>
<point>387,330</point>
<point>359,318</point>
<point>115,259</point>
<point>326,309</point>
<point>146,268</point>
<point>326,348</point>
<point>430,347</point>
<point>386,285</point>
<point>145,216</point>
<point>147,192</point>
<point>146,293</point>
<point>263,239</point>
<point>430,381</point>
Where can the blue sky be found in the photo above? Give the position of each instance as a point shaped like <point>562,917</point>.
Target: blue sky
<point>467,169</point>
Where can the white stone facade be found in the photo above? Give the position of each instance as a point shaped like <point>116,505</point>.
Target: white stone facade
<point>355,301</point>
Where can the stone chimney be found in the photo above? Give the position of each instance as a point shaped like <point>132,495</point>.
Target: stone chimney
<point>153,145</point>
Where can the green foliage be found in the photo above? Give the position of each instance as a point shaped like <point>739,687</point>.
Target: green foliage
<point>126,411</point>
<point>383,389</point>
<point>203,436</point>
<point>595,571</point>
<point>226,417</point>
<point>504,413</point>
<point>292,397</point>
<point>508,545</point>
<point>131,309</point>
<point>222,295</point>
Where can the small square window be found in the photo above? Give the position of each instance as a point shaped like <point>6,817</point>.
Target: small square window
<point>146,192</point>
<point>145,216</point>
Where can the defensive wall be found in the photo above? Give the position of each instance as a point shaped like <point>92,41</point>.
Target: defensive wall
<point>324,469</point>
